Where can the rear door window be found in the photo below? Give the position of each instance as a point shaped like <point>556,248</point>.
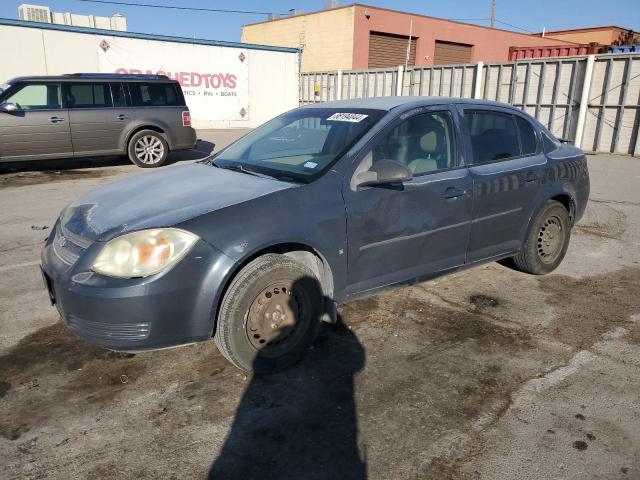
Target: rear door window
<point>153,95</point>
<point>548,144</point>
<point>493,135</point>
<point>37,96</point>
<point>527,136</point>
<point>88,95</point>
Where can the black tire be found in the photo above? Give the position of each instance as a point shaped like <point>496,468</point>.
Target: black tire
<point>280,285</point>
<point>547,241</point>
<point>148,149</point>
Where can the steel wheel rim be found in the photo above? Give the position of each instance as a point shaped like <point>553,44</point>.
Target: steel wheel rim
<point>149,149</point>
<point>273,320</point>
<point>550,239</point>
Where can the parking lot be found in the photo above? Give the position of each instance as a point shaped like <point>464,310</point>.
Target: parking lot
<point>487,373</point>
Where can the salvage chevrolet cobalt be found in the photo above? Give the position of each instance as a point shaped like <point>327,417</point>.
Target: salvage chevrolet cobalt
<point>325,203</point>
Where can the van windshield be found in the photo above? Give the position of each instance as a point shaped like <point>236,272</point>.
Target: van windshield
<point>300,144</point>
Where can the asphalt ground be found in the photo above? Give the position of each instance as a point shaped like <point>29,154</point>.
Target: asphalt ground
<point>486,373</point>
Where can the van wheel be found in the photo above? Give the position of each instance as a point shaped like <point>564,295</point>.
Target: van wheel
<point>148,149</point>
<point>270,314</point>
<point>547,242</point>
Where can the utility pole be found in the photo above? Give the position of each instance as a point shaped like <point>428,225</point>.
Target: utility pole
<point>493,12</point>
<point>406,58</point>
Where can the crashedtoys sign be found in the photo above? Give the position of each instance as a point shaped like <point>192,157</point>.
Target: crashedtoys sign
<point>215,80</point>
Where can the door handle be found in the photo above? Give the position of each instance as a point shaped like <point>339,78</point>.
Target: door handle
<point>453,192</point>
<point>56,119</point>
<point>122,116</point>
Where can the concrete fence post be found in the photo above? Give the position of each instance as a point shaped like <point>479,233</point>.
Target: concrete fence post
<point>584,100</point>
<point>339,85</point>
<point>477,84</point>
<point>400,82</point>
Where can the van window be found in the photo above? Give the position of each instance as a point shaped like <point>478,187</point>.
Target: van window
<point>37,96</point>
<point>493,135</point>
<point>527,136</point>
<point>88,95</point>
<point>153,95</point>
<point>117,92</point>
<point>424,143</point>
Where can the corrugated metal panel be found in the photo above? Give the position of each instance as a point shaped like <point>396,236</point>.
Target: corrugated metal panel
<point>390,50</point>
<point>447,53</point>
<point>318,87</point>
<point>379,82</point>
<point>449,80</point>
<point>547,88</point>
<point>613,114</point>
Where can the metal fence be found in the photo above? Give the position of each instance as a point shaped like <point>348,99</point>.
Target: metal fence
<point>590,100</point>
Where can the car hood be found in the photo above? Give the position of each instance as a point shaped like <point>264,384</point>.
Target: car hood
<point>161,199</point>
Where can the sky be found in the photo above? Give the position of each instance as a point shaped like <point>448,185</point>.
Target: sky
<point>526,15</point>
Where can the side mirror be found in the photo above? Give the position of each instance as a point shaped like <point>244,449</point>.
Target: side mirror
<point>8,107</point>
<point>384,172</point>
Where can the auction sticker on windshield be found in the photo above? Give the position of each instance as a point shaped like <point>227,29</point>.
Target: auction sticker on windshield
<point>347,117</point>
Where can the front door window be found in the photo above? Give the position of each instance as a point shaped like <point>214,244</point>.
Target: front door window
<point>424,143</point>
<point>40,96</point>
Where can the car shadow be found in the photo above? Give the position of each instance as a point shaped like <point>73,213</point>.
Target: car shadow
<point>301,422</point>
<point>201,150</point>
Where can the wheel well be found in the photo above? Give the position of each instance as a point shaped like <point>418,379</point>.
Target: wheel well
<point>299,252</point>
<point>145,127</point>
<point>567,201</point>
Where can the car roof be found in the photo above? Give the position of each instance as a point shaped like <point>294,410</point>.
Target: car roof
<point>92,77</point>
<point>389,103</point>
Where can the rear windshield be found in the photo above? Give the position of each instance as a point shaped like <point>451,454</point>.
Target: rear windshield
<point>299,144</point>
<point>155,95</point>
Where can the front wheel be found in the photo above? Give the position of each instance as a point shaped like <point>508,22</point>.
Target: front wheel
<point>270,314</point>
<point>148,149</point>
<point>547,242</point>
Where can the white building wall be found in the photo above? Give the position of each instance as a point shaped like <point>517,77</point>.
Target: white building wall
<point>272,75</point>
<point>272,92</point>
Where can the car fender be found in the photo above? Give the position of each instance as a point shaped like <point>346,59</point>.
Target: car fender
<point>140,124</point>
<point>221,279</point>
<point>550,192</point>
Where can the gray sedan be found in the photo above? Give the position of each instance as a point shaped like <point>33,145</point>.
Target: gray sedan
<point>326,203</point>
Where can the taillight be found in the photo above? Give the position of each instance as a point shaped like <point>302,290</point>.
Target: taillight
<point>186,119</point>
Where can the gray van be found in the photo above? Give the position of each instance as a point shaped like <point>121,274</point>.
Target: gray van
<point>87,115</point>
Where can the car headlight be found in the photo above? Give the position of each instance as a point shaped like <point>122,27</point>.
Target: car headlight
<point>143,253</point>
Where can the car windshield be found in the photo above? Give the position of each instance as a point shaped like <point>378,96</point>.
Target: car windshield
<point>298,145</point>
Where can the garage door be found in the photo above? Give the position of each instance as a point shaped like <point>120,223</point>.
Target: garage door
<point>387,50</point>
<point>450,52</point>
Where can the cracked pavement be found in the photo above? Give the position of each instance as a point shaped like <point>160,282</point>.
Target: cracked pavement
<point>484,374</point>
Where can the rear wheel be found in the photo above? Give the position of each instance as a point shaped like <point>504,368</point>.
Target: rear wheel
<point>547,242</point>
<point>270,314</point>
<point>148,149</point>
